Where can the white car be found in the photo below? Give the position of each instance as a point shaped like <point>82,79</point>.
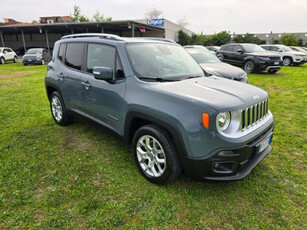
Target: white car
<point>288,55</point>
<point>7,54</point>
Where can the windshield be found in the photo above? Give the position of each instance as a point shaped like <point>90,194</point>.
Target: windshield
<point>166,61</point>
<point>285,48</point>
<point>34,51</point>
<point>251,48</point>
<point>204,57</point>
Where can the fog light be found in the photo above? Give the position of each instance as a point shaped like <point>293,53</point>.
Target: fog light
<point>216,165</point>
<point>225,153</point>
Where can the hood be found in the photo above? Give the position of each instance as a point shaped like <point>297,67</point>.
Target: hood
<point>265,54</point>
<point>225,70</point>
<point>297,53</point>
<point>218,93</point>
<point>32,55</point>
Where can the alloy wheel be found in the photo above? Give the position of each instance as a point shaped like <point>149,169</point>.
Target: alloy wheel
<point>151,156</point>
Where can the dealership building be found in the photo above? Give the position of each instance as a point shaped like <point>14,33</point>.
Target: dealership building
<point>22,36</point>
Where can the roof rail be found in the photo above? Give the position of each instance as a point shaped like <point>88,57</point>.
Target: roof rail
<point>97,35</point>
<point>158,39</point>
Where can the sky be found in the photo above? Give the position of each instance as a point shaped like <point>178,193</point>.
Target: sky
<point>207,16</point>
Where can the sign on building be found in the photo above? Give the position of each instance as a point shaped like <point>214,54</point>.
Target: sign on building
<point>155,22</point>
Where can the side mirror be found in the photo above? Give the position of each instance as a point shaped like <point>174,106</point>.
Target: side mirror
<point>103,73</point>
<point>5,52</point>
<point>240,51</point>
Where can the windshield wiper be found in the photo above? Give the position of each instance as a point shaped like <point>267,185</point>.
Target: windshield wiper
<point>157,79</point>
<point>196,76</point>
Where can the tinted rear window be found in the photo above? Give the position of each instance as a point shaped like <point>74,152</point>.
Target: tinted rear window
<point>74,55</point>
<point>61,51</point>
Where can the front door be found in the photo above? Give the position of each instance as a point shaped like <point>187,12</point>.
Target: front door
<point>103,100</point>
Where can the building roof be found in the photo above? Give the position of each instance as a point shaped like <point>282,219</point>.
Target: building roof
<point>78,27</point>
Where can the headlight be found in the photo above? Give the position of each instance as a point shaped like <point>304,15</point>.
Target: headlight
<point>264,58</point>
<point>223,120</point>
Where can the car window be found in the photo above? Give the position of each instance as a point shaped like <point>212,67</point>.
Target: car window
<point>266,47</point>
<point>154,60</point>
<point>74,55</point>
<point>61,51</point>
<point>119,68</point>
<point>229,48</point>
<point>100,55</point>
<point>236,48</point>
<point>204,57</point>
<point>275,48</point>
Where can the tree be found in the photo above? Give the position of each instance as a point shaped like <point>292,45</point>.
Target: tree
<point>220,38</point>
<point>183,38</point>
<point>248,38</point>
<point>98,17</point>
<point>153,13</point>
<point>76,15</point>
<point>182,22</point>
<point>289,40</point>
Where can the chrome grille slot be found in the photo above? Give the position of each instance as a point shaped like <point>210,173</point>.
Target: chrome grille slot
<point>252,115</point>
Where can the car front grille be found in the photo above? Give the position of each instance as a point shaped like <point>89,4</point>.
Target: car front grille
<point>252,115</point>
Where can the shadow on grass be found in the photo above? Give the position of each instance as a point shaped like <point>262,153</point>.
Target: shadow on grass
<point>183,182</point>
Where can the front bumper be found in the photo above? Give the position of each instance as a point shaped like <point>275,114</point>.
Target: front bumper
<point>32,61</point>
<point>299,60</point>
<point>230,167</point>
<point>269,65</point>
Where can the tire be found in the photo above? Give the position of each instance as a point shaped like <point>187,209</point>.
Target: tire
<point>15,59</point>
<point>2,60</point>
<point>152,144</point>
<point>249,67</point>
<point>272,71</point>
<point>287,61</point>
<point>221,57</point>
<point>43,62</point>
<point>25,64</point>
<point>58,109</point>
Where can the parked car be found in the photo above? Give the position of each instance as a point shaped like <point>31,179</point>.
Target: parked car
<point>298,49</point>
<point>7,54</point>
<point>154,95</point>
<point>198,47</point>
<point>38,56</point>
<point>249,56</point>
<point>212,65</point>
<point>289,56</point>
<point>213,48</point>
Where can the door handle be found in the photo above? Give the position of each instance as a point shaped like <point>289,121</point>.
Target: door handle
<point>86,85</point>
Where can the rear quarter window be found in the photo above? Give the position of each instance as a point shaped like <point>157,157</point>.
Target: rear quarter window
<point>61,51</point>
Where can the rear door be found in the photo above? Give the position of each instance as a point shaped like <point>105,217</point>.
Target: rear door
<point>69,73</point>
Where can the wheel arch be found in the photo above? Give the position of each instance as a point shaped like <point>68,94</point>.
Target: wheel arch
<point>135,119</point>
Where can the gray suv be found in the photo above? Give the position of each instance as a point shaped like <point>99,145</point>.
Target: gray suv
<point>152,93</point>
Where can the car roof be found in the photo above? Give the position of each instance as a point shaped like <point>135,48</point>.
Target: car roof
<point>112,37</point>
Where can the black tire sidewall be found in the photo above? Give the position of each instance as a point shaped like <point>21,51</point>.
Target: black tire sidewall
<point>2,60</point>
<point>252,64</point>
<point>290,61</point>
<point>173,167</point>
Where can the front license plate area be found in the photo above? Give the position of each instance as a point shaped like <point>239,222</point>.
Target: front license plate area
<point>276,63</point>
<point>264,144</point>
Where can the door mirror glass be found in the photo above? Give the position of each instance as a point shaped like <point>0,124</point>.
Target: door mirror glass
<point>240,51</point>
<point>103,73</point>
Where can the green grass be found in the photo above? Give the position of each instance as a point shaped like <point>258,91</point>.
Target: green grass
<point>83,176</point>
